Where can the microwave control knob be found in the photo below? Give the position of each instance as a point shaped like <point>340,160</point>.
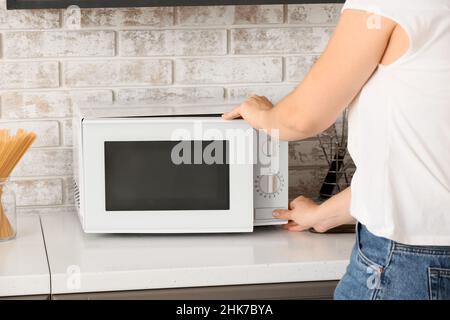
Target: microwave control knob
<point>269,183</point>
<point>267,147</point>
<point>270,146</point>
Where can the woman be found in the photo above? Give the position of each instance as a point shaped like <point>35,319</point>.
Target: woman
<point>390,61</point>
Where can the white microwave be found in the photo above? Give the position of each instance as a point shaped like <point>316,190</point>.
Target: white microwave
<point>175,170</point>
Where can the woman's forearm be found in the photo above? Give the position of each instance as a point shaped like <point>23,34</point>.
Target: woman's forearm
<point>309,109</point>
<point>334,80</point>
<point>286,117</point>
<point>335,211</point>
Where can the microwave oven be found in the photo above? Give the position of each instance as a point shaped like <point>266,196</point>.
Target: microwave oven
<point>175,170</point>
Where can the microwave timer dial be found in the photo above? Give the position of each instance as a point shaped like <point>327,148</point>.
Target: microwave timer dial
<point>269,186</point>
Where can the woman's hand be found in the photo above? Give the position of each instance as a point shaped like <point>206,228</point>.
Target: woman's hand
<point>302,215</point>
<point>305,214</point>
<point>254,110</point>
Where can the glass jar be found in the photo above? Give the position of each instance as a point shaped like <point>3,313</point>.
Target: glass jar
<point>8,222</point>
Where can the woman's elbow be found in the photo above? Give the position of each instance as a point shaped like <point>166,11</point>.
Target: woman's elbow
<point>305,129</point>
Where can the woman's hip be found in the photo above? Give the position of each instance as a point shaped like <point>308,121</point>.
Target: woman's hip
<point>384,269</point>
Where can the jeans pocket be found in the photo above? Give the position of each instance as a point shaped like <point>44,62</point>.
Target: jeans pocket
<point>365,251</point>
<point>373,272</point>
<point>439,282</point>
<point>360,280</point>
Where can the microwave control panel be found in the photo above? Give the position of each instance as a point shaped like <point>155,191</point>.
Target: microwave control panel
<point>270,179</point>
<point>269,186</point>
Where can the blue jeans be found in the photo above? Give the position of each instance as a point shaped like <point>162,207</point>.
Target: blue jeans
<point>383,269</point>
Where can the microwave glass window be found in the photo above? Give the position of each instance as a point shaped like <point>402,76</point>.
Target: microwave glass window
<point>143,176</point>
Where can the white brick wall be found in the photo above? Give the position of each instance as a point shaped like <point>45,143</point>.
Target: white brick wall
<point>127,17</point>
<point>29,75</point>
<point>229,70</point>
<point>144,43</point>
<point>171,94</point>
<point>48,104</point>
<point>38,44</point>
<point>298,66</point>
<point>305,40</point>
<point>36,19</point>
<point>47,131</point>
<point>164,55</point>
<point>123,72</point>
<point>41,162</point>
<point>229,15</point>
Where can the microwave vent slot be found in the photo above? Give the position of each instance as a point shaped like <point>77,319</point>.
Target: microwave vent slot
<point>200,115</point>
<point>76,193</point>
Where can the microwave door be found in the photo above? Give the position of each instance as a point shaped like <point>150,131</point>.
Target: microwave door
<point>157,176</point>
<point>138,177</point>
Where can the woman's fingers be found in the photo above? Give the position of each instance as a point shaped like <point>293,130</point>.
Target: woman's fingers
<point>233,114</point>
<point>289,225</point>
<point>282,214</point>
<point>296,228</point>
<point>293,226</point>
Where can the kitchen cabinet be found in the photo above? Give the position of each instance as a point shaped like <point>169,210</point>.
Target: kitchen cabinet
<point>30,297</point>
<point>41,4</point>
<point>292,291</point>
<point>321,290</point>
<point>23,262</point>
<point>266,264</point>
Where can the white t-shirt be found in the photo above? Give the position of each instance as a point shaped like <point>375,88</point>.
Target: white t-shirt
<point>399,130</point>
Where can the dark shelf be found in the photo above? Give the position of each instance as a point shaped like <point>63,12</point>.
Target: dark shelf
<point>60,4</point>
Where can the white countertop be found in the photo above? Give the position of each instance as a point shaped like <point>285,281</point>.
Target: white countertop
<point>92,263</point>
<point>23,261</point>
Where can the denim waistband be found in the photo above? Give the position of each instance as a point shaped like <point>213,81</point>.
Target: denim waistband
<point>425,250</point>
<point>378,249</point>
